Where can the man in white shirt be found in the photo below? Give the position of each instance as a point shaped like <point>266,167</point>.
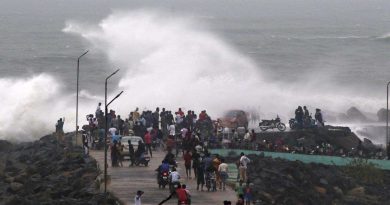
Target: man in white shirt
<point>112,130</point>
<point>172,130</point>
<point>174,176</point>
<point>244,160</point>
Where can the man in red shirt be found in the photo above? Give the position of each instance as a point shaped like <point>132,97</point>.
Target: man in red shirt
<point>181,194</point>
<point>180,112</point>
<point>187,163</point>
<point>148,142</point>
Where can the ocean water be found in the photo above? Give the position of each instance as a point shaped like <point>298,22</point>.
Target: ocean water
<point>260,55</point>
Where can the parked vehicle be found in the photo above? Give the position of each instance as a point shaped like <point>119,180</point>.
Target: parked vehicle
<point>134,141</point>
<point>307,123</point>
<point>272,124</point>
<point>234,119</point>
<point>142,161</point>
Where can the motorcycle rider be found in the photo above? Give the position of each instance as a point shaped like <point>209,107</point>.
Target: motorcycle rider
<point>170,158</point>
<point>174,178</point>
<point>164,167</point>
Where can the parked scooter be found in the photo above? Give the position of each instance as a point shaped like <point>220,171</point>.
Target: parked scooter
<point>142,161</point>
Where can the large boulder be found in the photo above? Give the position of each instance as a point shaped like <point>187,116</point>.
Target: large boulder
<point>355,115</point>
<point>382,115</point>
<point>16,186</point>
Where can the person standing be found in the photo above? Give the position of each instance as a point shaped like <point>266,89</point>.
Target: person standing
<point>148,142</point>
<point>318,117</point>
<point>187,163</point>
<point>253,139</point>
<point>299,116</point>
<point>60,129</point>
<point>114,154</point>
<point>223,172</point>
<point>131,153</point>
<point>248,195</point>
<point>139,154</point>
<point>98,110</point>
<point>200,177</point>
<point>244,160</point>
<point>85,143</point>
<point>195,162</point>
<point>136,115</point>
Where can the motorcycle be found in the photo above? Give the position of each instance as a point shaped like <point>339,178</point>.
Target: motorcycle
<point>163,179</point>
<point>272,124</point>
<point>307,123</point>
<point>142,160</point>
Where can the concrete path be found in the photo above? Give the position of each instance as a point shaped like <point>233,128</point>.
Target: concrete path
<point>125,181</point>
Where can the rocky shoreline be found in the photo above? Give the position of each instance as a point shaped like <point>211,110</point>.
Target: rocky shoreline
<point>277,181</point>
<point>48,172</point>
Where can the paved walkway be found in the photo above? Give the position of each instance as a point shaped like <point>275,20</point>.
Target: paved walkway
<point>125,181</point>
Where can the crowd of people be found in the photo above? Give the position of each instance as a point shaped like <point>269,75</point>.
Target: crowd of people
<point>178,133</point>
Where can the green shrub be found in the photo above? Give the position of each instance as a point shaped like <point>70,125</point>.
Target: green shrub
<point>364,171</point>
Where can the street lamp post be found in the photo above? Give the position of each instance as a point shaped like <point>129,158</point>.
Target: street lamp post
<point>106,129</point>
<point>77,93</point>
<point>387,122</point>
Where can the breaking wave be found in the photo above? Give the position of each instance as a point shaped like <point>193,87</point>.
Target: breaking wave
<point>169,62</point>
<point>174,62</point>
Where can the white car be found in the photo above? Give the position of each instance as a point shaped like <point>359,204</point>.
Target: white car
<point>134,141</point>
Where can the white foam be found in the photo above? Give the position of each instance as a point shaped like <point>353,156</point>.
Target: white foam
<point>174,62</point>
<point>167,61</point>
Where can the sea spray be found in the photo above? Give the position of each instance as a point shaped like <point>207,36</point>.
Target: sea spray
<point>167,61</point>
<point>175,62</point>
<point>31,106</point>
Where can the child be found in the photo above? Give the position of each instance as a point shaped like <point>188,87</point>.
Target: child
<point>137,198</point>
<point>240,200</point>
<point>239,190</point>
<point>248,195</point>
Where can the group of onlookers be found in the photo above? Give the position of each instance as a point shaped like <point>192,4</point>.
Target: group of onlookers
<point>304,119</point>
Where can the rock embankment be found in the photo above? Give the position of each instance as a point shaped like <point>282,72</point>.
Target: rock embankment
<point>276,181</point>
<point>47,172</point>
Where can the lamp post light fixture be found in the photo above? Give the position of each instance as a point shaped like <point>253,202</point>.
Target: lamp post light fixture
<point>106,128</point>
<point>77,93</point>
